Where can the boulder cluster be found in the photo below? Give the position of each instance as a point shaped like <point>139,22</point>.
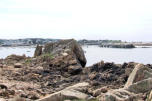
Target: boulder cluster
<point>57,72</point>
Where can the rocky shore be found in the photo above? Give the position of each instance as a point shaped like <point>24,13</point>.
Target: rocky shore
<point>57,72</point>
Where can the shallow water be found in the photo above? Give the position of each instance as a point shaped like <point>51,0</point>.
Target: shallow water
<point>5,51</point>
<point>94,54</point>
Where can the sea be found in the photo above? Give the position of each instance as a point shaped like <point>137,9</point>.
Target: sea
<point>94,54</point>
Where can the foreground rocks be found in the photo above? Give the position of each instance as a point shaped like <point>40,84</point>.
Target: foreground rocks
<point>149,96</point>
<point>139,82</point>
<point>56,67</point>
<point>74,92</point>
<point>57,72</point>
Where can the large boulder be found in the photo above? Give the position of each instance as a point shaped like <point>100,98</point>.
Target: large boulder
<point>140,80</point>
<point>72,92</point>
<point>141,86</point>
<point>139,73</point>
<point>66,47</point>
<point>65,56</point>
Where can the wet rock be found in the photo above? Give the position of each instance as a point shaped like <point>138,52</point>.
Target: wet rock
<point>18,65</point>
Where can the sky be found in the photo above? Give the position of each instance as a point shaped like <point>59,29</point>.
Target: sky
<point>129,20</point>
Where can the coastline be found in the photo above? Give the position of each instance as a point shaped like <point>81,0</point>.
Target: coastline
<point>58,72</point>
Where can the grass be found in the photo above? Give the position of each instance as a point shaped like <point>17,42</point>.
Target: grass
<point>28,61</point>
<point>47,55</point>
<point>44,57</point>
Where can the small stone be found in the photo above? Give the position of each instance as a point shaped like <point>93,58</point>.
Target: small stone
<point>5,66</point>
<point>33,95</point>
<point>93,76</point>
<point>94,83</point>
<point>65,54</point>
<point>40,67</point>
<point>74,70</point>
<point>17,98</point>
<point>104,89</point>
<point>1,66</point>
<point>1,99</point>
<point>2,86</point>
<point>72,62</point>
<point>99,91</point>
<point>18,65</point>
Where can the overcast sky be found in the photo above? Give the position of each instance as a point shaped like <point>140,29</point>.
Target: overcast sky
<point>90,19</point>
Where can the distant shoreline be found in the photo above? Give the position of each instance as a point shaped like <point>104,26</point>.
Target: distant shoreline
<point>104,43</point>
<point>136,46</point>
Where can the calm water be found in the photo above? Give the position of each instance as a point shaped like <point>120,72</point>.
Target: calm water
<point>94,54</point>
<point>5,51</point>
